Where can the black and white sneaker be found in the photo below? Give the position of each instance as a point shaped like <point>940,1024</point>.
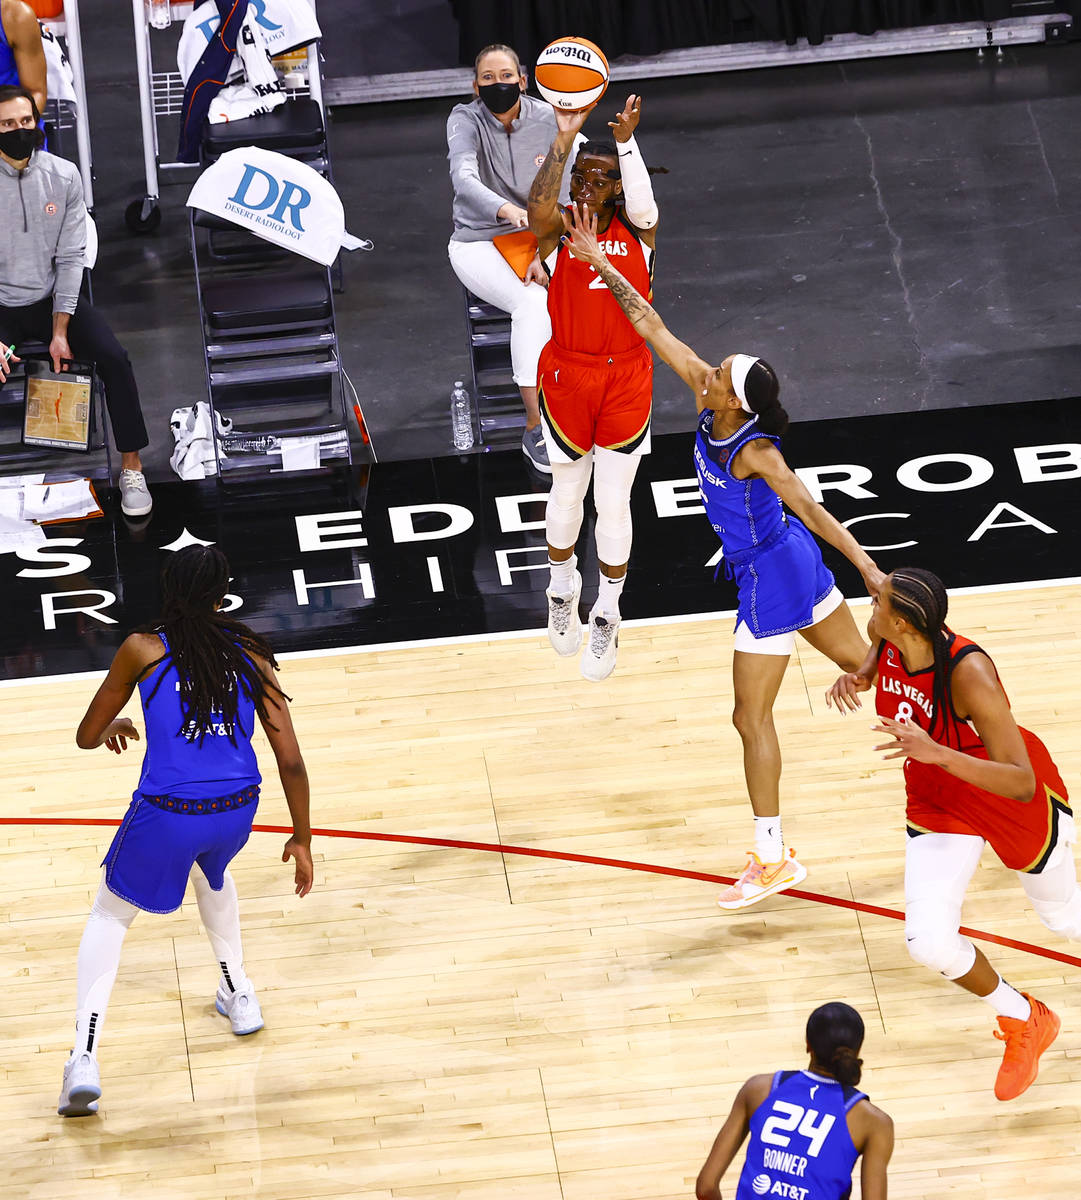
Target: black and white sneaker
<point>599,656</point>
<point>564,624</point>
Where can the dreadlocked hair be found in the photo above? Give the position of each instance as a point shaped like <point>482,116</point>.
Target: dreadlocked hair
<point>211,653</point>
<point>920,597</point>
<point>835,1035</point>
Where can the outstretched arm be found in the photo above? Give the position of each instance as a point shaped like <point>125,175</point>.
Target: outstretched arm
<point>762,458</point>
<point>544,222</point>
<point>581,238</point>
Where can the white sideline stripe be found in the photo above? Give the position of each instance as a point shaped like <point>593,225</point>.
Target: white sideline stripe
<point>512,634</point>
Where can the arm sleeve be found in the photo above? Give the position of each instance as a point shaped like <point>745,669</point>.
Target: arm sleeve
<point>475,201</point>
<point>637,189</point>
<point>70,249</point>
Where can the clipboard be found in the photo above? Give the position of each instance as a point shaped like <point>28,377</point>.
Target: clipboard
<point>518,249</point>
<point>56,407</point>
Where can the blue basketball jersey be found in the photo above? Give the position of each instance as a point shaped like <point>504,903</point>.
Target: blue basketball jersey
<point>190,769</point>
<point>800,1147</point>
<point>743,512</point>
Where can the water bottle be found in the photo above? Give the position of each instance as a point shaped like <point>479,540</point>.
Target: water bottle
<point>159,16</point>
<point>461,417</point>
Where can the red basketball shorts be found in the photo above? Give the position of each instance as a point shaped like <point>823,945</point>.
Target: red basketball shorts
<point>589,400</point>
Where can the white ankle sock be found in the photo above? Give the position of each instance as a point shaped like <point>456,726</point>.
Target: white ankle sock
<point>608,594</point>
<point>1008,1002</point>
<point>768,839</point>
<point>562,581</point>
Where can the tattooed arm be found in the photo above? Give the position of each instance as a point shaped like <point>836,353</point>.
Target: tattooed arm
<point>581,239</point>
<point>544,222</point>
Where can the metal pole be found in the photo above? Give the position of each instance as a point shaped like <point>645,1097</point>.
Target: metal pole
<point>82,116</point>
<point>315,75</point>
<point>146,98</point>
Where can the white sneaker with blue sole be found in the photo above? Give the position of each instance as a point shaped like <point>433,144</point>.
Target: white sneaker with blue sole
<point>81,1088</point>
<point>242,1009</point>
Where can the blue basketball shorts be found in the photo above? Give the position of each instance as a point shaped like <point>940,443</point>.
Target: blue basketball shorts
<point>780,586</point>
<point>161,838</point>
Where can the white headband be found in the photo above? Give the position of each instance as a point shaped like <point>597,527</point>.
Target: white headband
<point>741,365</point>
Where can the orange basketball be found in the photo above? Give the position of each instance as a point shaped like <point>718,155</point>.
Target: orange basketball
<point>571,73</point>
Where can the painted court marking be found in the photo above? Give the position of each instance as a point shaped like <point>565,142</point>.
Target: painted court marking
<point>621,864</point>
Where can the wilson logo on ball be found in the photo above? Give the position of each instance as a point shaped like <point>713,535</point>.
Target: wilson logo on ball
<point>571,73</point>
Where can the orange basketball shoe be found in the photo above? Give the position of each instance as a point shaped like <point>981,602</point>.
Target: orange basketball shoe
<point>1025,1042</point>
<point>760,880</point>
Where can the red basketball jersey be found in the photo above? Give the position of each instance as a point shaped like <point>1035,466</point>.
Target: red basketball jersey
<point>1021,834</point>
<point>586,317</point>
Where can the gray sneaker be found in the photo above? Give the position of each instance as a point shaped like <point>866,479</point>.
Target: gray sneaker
<point>135,499</point>
<point>535,450</point>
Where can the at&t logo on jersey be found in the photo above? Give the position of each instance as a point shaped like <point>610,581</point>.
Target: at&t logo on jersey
<point>760,1184</point>
<point>763,1185</point>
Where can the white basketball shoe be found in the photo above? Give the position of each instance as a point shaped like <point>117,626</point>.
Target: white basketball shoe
<point>564,625</point>
<point>242,1009</point>
<point>81,1089</point>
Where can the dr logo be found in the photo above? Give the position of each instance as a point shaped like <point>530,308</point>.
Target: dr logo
<point>280,195</point>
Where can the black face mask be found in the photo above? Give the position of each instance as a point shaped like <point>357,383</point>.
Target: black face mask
<point>499,98</point>
<point>19,143</point>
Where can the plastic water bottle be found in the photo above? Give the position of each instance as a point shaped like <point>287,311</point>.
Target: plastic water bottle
<point>159,16</point>
<point>461,417</point>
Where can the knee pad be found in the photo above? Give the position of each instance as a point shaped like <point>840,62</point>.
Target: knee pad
<point>614,531</point>
<point>1061,917</point>
<point>942,950</point>
<point>565,509</point>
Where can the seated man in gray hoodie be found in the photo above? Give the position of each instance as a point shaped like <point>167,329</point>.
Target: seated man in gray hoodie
<point>41,271</point>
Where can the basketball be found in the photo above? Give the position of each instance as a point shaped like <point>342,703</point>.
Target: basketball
<point>571,73</point>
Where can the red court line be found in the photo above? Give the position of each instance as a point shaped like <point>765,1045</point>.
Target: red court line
<point>622,864</point>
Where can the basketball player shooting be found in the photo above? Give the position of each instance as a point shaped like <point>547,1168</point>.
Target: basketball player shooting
<point>596,374</point>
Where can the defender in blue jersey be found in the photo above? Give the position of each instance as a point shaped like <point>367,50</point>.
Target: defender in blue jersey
<point>203,680</point>
<point>784,586</point>
<point>807,1128</point>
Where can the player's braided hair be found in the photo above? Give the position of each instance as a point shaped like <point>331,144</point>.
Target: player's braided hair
<point>835,1035</point>
<point>211,653</point>
<point>920,597</point>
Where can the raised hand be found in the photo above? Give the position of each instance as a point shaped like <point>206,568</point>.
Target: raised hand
<point>571,122</point>
<point>626,122</point>
<point>581,236</point>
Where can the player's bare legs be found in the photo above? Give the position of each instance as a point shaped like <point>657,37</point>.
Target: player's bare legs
<point>756,681</point>
<point>838,638</point>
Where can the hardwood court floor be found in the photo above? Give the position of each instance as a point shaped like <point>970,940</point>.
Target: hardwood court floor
<point>454,1023</point>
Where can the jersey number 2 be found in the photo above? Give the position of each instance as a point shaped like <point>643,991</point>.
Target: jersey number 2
<point>804,1118</point>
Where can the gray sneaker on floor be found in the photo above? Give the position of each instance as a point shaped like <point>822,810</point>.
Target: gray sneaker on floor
<point>535,450</point>
<point>81,1089</point>
<point>135,499</point>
